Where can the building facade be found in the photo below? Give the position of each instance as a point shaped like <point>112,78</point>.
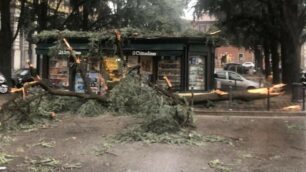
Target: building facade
<point>223,54</point>
<point>231,54</point>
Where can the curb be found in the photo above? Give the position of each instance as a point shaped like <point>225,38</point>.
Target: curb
<point>250,113</point>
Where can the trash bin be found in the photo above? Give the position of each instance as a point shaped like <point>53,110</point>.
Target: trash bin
<point>297,92</point>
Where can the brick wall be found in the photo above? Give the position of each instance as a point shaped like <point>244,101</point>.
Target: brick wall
<point>230,54</point>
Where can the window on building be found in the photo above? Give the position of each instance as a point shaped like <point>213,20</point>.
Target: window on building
<point>170,67</point>
<point>241,56</point>
<point>58,72</point>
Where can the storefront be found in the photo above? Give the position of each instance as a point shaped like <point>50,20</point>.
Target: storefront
<point>187,63</point>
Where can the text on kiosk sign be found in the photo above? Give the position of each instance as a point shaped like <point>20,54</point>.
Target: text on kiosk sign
<point>142,53</point>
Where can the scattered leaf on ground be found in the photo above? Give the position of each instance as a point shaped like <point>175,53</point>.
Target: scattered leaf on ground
<point>71,166</point>
<point>5,140</point>
<point>5,158</point>
<point>44,162</point>
<point>218,166</point>
<point>296,127</point>
<point>45,144</point>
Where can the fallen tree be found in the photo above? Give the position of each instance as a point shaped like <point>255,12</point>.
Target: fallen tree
<point>246,95</point>
<point>162,105</point>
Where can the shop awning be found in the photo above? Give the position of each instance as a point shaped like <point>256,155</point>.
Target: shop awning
<point>156,47</point>
<point>43,48</point>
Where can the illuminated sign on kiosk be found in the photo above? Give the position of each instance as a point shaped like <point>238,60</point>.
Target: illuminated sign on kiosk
<point>143,53</point>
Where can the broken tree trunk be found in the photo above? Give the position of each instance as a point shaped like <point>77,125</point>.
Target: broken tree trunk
<point>80,67</point>
<point>58,92</point>
<point>246,95</point>
<point>175,98</point>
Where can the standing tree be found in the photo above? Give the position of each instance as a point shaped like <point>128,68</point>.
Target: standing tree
<point>6,38</point>
<point>277,22</point>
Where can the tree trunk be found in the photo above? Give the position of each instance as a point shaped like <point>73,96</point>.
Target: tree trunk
<point>258,59</point>
<point>42,12</point>
<point>293,17</point>
<point>267,59</point>
<point>275,62</point>
<point>291,60</point>
<point>85,16</point>
<point>5,39</point>
<point>247,95</point>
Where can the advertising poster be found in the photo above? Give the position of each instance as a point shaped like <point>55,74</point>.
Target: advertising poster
<point>79,84</point>
<point>94,82</point>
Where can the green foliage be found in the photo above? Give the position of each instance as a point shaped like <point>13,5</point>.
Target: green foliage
<point>170,119</point>
<point>39,108</point>
<point>91,108</point>
<point>157,15</point>
<point>243,22</point>
<point>138,134</point>
<point>181,137</point>
<point>58,104</point>
<point>134,97</point>
<point>126,32</point>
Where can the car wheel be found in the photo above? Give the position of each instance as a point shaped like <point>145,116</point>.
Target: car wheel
<point>4,89</point>
<point>251,87</point>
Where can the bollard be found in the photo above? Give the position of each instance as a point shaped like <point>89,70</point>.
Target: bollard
<point>230,98</point>
<point>268,99</point>
<point>192,97</point>
<point>235,84</point>
<point>303,109</point>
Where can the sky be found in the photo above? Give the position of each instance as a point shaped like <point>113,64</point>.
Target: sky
<point>189,11</point>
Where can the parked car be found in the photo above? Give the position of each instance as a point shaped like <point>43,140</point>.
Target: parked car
<point>248,64</point>
<point>22,76</point>
<point>230,78</point>
<point>236,67</point>
<point>3,84</point>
